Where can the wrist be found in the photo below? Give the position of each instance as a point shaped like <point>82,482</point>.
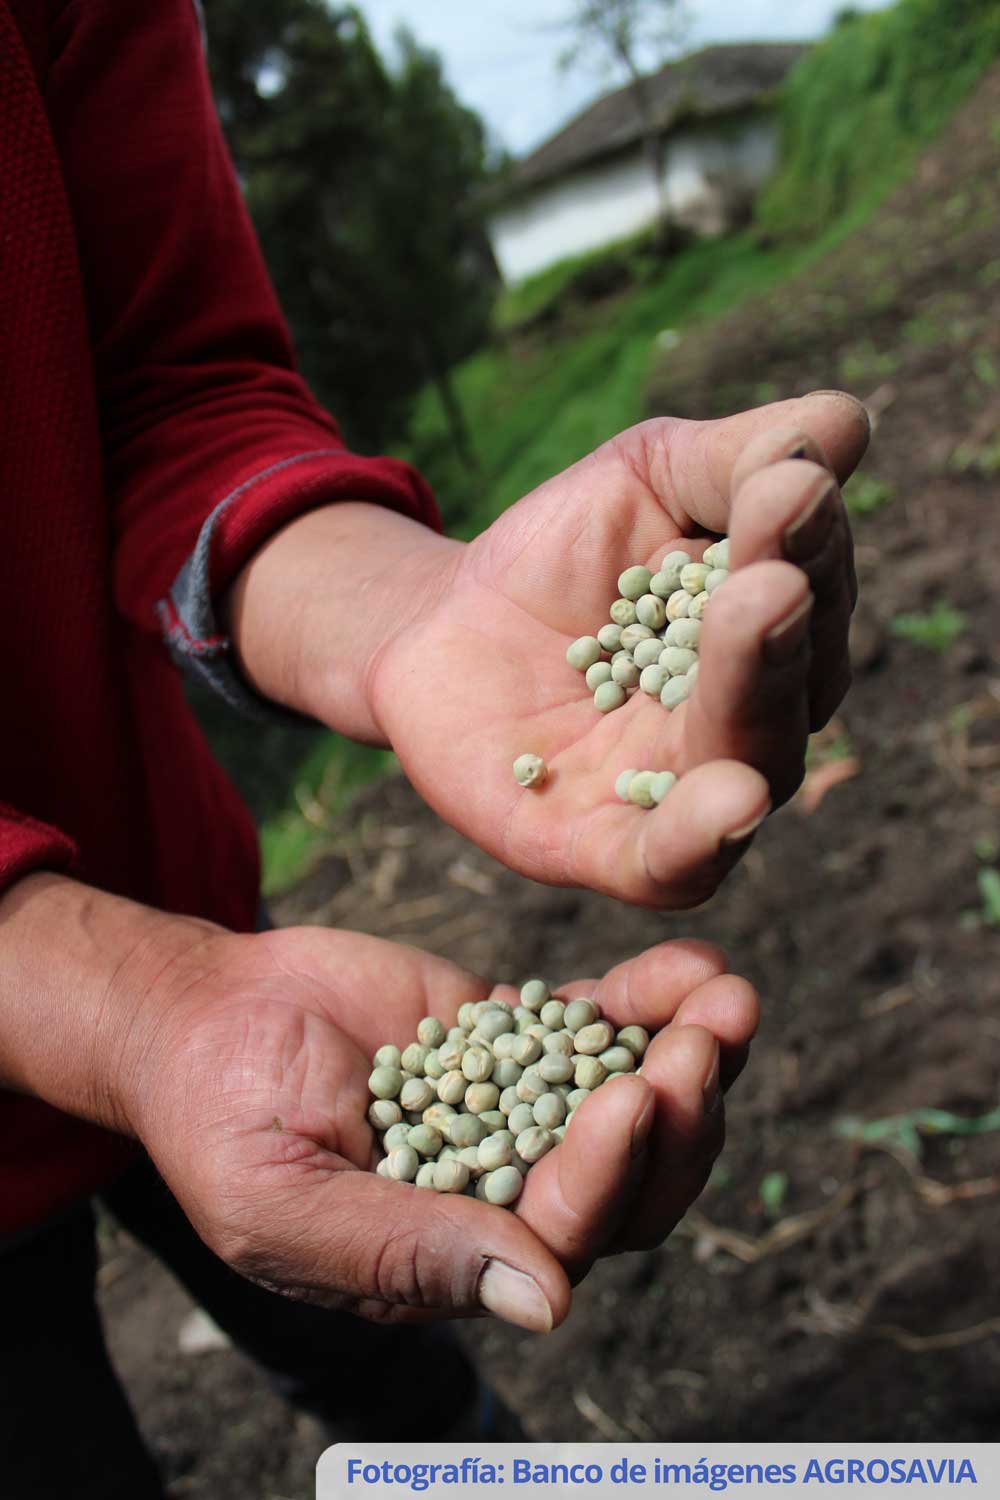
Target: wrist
<point>316,608</point>
<point>84,990</point>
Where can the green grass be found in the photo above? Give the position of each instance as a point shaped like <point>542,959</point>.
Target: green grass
<point>935,629</point>
<point>864,494</point>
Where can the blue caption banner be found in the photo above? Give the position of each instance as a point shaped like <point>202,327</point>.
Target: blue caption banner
<point>601,1471</point>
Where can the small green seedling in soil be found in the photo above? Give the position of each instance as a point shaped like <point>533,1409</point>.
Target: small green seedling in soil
<point>863,495</point>
<point>935,629</point>
<point>772,1193</point>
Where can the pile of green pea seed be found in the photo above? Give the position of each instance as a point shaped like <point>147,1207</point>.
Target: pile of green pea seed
<point>652,640</point>
<point>471,1109</point>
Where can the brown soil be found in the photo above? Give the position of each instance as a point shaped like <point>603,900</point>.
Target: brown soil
<point>856,1296</point>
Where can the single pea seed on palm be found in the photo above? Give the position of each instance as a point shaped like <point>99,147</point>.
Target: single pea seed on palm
<point>496,1151</point>
<point>640,794</point>
<point>503,1187</point>
<point>647,652</point>
<point>635,1038</point>
<point>451,1176</point>
<point>622,782</point>
<point>549,1111</point>
<point>717,555</point>
<point>651,611</point>
<point>530,770</point>
<point>584,652</point>
<point>675,691</point>
<point>418,1094</point>
<point>653,679</point>
<point>661,784</point>
<point>679,605</point>
<point>598,674</point>
<point>430,1031</point>
<point>716,579</point>
<point>625,672</point>
<point>534,993</point>
<point>610,637</point>
<point>385,1082</point>
<point>677,660</point>
<point>403,1164</point>
<point>609,696</point>
<point>382,1113</point>
<point>634,582</point>
<point>622,613</point>
<point>388,1057</point>
<point>686,633</point>
<point>633,634</point>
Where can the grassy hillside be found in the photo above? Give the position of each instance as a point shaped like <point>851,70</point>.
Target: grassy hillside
<point>575,350</point>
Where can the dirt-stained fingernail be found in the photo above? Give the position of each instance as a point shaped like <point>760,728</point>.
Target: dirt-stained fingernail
<point>515,1297</point>
<point>710,1088</point>
<point>808,532</point>
<point>746,831</point>
<point>782,643</point>
<point>640,1132</point>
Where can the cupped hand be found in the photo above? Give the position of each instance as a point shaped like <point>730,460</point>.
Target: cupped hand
<point>480,676</point>
<point>250,1093</point>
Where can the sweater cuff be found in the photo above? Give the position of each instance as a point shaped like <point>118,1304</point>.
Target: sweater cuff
<point>27,845</point>
<point>239,525</point>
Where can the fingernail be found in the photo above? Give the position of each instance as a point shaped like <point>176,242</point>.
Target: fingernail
<point>710,1088</point>
<point>644,1124</point>
<point>781,643</point>
<point>809,531</point>
<point>740,835</point>
<point>514,1297</point>
<point>801,450</point>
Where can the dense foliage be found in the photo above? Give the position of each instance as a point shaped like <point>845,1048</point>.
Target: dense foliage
<point>858,107</point>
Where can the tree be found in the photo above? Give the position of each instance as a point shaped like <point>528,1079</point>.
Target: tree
<point>364,183</point>
<point>624,34</point>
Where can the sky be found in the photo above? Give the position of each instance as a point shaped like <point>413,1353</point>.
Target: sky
<point>501,56</point>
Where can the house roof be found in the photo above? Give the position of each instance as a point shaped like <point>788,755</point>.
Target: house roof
<point>715,81</point>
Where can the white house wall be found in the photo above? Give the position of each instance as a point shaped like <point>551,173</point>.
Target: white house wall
<point>598,205</point>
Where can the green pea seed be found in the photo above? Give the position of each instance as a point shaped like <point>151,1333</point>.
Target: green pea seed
<point>505,1073</point>
<point>677,660</point>
<point>503,1187</point>
<point>576,1098</point>
<point>549,1111</point>
<point>623,613</point>
<point>692,674</point>
<point>675,691</point>
<point>634,582</point>
<point>532,1144</point>
<point>622,783</point>
<point>388,1057</point>
<point>430,1031</point>
<point>609,695</point>
<point>594,1038</point>
<point>530,770</point>
<point>425,1175</point>
<point>647,652</point>
<point>480,1097</point>
<point>384,1112</point>
<point>590,1073</point>
<point>555,1068</point>
<point>635,1038</point>
<point>693,577</point>
<point>717,555</point>
<point>534,994</point>
<point>531,1085</point>
<point>552,1014</point>
<point>672,566</point>
<point>477,1064</point>
<point>661,784</point>
<point>383,1167</point>
<point>653,680</point>
<point>521,1118</point>
<point>651,611</point>
<point>437,1115</point>
<point>385,1082</point>
<point>418,1094</point>
<point>618,1060</point>
<point>560,1042</point>
<point>509,1100</point>
<point>686,633</point>
<point>425,1140</point>
<point>633,634</point>
<point>451,1176</point>
<point>495,1152</point>
<point>526,1050</point>
<point>584,652</point>
<point>504,1042</point>
<point>640,792</point>
<point>414,1058</point>
<point>625,672</point>
<point>598,675</point>
<point>465,1017</point>
<point>404,1164</point>
<point>679,605</point>
<point>493,1119</point>
<point>716,579</point>
<point>451,1088</point>
<point>466,1130</point>
<point>610,637</point>
<point>470,1156</point>
<point>432,1067</point>
<point>396,1135</point>
<point>497,1023</point>
<point>581,1013</point>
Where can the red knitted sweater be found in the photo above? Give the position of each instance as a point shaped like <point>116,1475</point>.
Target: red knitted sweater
<point>145,375</point>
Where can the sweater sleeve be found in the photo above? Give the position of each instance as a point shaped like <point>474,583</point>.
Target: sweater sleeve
<point>27,845</point>
<point>211,439</point>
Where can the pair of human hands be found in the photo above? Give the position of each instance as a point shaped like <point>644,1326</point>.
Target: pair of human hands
<point>276,1037</point>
